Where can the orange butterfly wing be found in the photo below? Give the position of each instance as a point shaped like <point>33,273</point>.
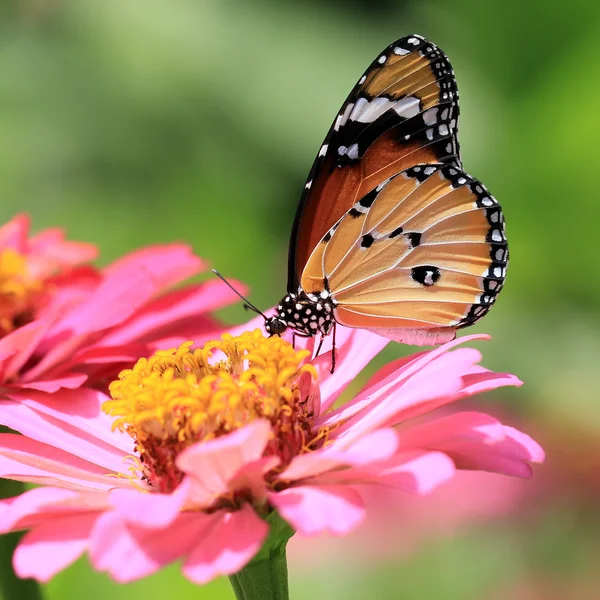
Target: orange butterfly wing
<point>402,112</point>
<point>423,254</point>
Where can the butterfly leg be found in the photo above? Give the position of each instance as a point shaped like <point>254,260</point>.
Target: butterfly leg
<point>319,347</point>
<point>333,349</point>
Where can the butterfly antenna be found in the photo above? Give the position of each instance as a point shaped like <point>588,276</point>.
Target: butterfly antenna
<point>247,303</point>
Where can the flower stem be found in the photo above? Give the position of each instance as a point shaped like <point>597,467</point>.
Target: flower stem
<point>263,580</point>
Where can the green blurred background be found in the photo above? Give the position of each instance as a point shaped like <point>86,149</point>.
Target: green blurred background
<point>131,123</point>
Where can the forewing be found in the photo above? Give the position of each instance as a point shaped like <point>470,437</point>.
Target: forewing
<point>402,112</point>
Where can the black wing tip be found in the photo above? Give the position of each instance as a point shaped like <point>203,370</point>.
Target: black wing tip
<point>407,41</point>
<point>417,42</point>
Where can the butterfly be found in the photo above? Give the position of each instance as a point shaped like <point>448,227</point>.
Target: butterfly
<point>391,234</point>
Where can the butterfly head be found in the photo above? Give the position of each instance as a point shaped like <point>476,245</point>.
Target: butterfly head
<point>275,325</point>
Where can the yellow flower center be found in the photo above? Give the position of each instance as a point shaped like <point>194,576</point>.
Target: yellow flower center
<point>18,291</point>
<point>179,397</point>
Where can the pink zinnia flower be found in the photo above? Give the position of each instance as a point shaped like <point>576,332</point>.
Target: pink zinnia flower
<point>63,325</point>
<point>28,266</point>
<point>204,446</point>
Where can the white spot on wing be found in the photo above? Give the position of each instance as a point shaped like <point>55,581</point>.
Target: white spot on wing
<point>401,51</point>
<point>381,59</point>
<point>343,118</point>
<point>408,107</point>
<point>352,152</point>
<point>323,150</point>
<point>430,116</point>
<point>366,112</point>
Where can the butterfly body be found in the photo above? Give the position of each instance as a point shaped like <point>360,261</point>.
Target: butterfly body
<point>391,234</point>
<point>306,314</point>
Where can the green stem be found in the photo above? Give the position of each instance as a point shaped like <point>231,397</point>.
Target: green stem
<point>11,586</point>
<point>263,580</point>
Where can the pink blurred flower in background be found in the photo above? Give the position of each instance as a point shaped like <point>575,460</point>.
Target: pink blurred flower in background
<point>63,325</point>
<point>208,443</point>
<point>398,526</point>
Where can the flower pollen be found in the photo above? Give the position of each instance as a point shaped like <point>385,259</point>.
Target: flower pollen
<point>19,291</point>
<point>179,397</point>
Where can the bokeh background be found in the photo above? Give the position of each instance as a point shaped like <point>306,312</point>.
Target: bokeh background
<point>131,123</point>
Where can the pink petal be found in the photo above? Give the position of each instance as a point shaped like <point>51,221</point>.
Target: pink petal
<point>128,552</point>
<point>163,313</point>
<point>251,478</point>
<point>14,233</point>
<point>17,347</point>
<point>69,381</point>
<point>481,380</point>
<point>399,399</point>
<point>509,457</point>
<point>149,510</point>
<point>64,435</point>
<point>413,472</point>
<point>71,288</point>
<point>46,503</point>
<point>523,446</point>
<point>231,542</point>
<point>424,358</point>
<point>337,509</point>
<point>477,441</point>
<point>453,430</point>
<point>214,463</point>
<point>60,350</point>
<point>404,368</point>
<point>101,355</point>
<point>167,264</point>
<point>128,284</point>
<point>114,301</point>
<point>52,546</point>
<point>84,414</point>
<point>436,377</point>
<point>25,459</point>
<point>51,252</point>
<point>418,475</point>
<point>355,349</point>
<point>374,447</point>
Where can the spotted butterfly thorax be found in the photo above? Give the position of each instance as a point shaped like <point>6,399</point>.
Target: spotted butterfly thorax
<point>391,234</point>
